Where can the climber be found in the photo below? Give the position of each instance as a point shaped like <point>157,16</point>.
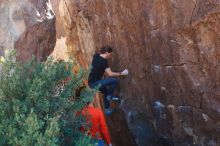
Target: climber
<point>106,85</point>
<point>98,128</point>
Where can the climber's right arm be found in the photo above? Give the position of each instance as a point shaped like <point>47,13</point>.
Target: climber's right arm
<point>111,73</point>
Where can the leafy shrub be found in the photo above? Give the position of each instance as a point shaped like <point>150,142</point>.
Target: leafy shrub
<point>37,103</point>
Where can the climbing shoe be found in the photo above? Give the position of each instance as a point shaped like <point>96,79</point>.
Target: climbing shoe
<point>115,98</point>
<point>109,97</point>
<point>108,111</point>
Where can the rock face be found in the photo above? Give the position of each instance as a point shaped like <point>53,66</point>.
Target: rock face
<point>171,48</point>
<point>59,26</point>
<point>60,50</point>
<point>27,26</point>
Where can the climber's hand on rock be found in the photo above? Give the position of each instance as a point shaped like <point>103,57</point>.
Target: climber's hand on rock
<point>124,72</point>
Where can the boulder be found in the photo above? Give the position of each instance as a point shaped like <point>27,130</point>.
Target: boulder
<point>29,27</point>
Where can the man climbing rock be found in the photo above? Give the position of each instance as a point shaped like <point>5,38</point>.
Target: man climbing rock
<point>106,85</point>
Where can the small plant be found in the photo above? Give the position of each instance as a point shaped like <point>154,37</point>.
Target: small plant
<point>37,103</point>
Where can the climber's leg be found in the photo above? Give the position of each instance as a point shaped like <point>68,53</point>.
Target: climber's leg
<point>107,87</point>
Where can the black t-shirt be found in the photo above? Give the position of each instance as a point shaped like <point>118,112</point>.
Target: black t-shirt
<point>99,64</point>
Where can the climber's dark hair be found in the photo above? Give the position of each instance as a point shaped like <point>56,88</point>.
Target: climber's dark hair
<point>105,49</point>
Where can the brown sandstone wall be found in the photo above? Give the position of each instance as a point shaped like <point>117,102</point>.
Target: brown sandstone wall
<point>60,50</point>
<point>27,26</point>
<point>172,50</point>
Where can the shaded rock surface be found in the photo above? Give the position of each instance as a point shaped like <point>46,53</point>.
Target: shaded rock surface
<point>118,129</point>
<point>171,49</point>
<point>27,26</point>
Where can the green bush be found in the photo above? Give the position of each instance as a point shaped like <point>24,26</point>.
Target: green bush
<point>36,107</point>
